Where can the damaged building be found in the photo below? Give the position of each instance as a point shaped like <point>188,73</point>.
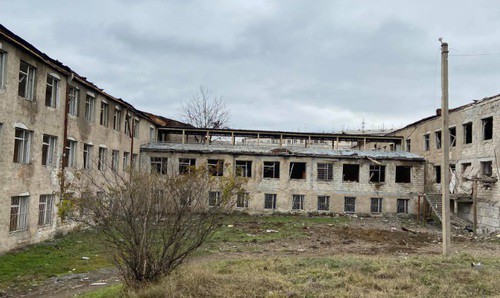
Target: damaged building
<point>474,151</point>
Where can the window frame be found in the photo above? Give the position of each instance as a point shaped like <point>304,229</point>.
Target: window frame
<point>242,200</point>
<point>376,205</point>
<point>398,180</point>
<point>324,172</point>
<point>243,168</point>
<point>271,169</point>
<point>215,167</point>
<point>3,67</point>
<point>186,165</point>
<point>54,93</point>
<point>70,153</point>
<point>45,210</point>
<point>347,165</point>
<point>374,169</point>
<point>89,107</point>
<point>21,215</point>
<point>214,199</point>
<point>453,136</point>
<point>49,150</point>
<point>468,132</point>
<point>102,156</point>
<point>402,206</point>
<point>125,160</point>
<point>117,119</point>
<point>87,156</point>
<point>427,141</point>
<point>270,200</point>
<point>73,102</point>
<point>298,202</point>
<point>487,133</point>
<point>22,145</point>
<point>104,115</point>
<point>29,86</point>
<point>348,203</point>
<point>115,160</point>
<point>158,165</point>
<point>325,204</point>
<point>438,137</point>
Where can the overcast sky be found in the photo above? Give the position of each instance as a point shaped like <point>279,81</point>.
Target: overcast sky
<point>287,65</point>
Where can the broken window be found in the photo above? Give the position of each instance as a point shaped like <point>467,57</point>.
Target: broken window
<point>349,204</point>
<point>298,202</point>
<point>26,81</point>
<point>22,144</point>
<point>271,169</point>
<point>242,200</point>
<point>243,168</point>
<point>323,203</point>
<point>117,119</point>
<point>453,136</point>
<point>127,125</point>
<point>427,142</point>
<point>51,91</point>
<point>270,201</point>
<point>216,167</point>
<point>19,213</point>
<point>89,108</point>
<point>467,132</point>
<point>297,170</point>
<point>486,168</point>
<point>70,151</point>
<point>403,174</point>
<point>186,165</point>
<point>376,205</point>
<point>159,165</point>
<point>325,171</point>
<point>437,135</point>
<point>437,173</point>
<point>104,113</point>
<point>49,144</point>
<point>74,94</point>
<point>408,145</point>
<point>402,205</point>
<point>214,199</point>
<point>465,165</point>
<point>101,165</point>
<point>115,159</point>
<point>87,156</point>
<point>3,57</point>
<point>350,173</point>
<point>377,173</point>
<point>487,128</point>
<point>45,210</point>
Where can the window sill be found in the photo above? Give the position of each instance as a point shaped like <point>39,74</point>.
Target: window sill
<point>18,232</point>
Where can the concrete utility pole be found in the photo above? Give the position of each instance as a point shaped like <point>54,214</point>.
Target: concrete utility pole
<point>445,166</point>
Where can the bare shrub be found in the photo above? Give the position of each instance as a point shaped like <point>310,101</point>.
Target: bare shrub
<point>152,222</point>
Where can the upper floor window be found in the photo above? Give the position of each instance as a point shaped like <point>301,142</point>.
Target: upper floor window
<point>49,150</point>
<point>297,170</point>
<point>70,153</point>
<point>487,168</point>
<point>216,167</point>
<point>26,81</point>
<point>117,119</point>
<point>186,165</point>
<point>115,159</point>
<point>159,165</point>
<point>427,142</point>
<point>403,174</point>
<point>127,125</point>
<point>437,135</point>
<point>104,113</point>
<point>74,94</point>
<point>51,91</point>
<point>244,168</point>
<point>453,136</point>
<point>101,163</point>
<point>89,108</point>
<point>22,144</point>
<point>325,171</point>
<point>467,132</point>
<point>487,128</point>
<point>377,173</point>
<point>3,59</point>
<point>126,158</point>
<point>87,156</point>
<point>271,169</point>
<point>151,134</point>
<point>350,173</point>
<point>408,145</point>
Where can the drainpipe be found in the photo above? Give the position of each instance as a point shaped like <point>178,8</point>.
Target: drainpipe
<point>65,133</point>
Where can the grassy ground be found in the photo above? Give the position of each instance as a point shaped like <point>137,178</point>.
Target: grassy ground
<point>236,261</point>
<point>338,276</point>
<point>62,255</point>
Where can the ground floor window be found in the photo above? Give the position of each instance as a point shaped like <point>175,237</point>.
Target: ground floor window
<point>376,205</point>
<point>45,208</point>
<point>349,205</point>
<point>19,213</point>
<point>242,200</point>
<point>269,201</point>
<point>403,205</point>
<point>214,199</point>
<point>298,202</point>
<point>323,203</point>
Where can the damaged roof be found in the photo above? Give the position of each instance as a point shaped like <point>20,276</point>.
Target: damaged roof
<point>459,108</point>
<point>165,122</point>
<point>279,151</point>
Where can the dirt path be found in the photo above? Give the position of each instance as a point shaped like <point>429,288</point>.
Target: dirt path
<point>362,236</point>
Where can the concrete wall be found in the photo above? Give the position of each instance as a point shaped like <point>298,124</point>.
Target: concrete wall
<point>476,152</point>
<point>34,179</point>
<point>284,187</point>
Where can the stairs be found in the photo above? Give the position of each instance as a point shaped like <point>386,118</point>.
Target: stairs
<point>434,200</point>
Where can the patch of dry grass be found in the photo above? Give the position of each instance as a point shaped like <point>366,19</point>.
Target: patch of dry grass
<point>338,276</point>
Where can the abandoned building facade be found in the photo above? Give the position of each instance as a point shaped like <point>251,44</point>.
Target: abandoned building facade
<point>474,152</point>
<point>55,124</point>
